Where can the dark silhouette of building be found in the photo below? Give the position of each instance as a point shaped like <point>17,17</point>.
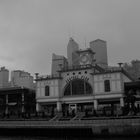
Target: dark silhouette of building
<point>15,101</point>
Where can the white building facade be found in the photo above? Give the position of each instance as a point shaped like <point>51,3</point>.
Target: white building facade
<point>81,86</point>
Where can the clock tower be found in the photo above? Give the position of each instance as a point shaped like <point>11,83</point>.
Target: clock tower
<point>86,57</point>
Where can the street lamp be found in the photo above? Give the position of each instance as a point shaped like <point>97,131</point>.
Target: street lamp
<point>120,64</point>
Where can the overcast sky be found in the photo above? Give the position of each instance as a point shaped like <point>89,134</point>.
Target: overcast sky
<point>31,30</point>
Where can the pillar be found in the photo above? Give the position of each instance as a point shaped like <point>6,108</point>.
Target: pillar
<point>112,109</point>
<point>59,106</point>
<point>95,104</point>
<point>22,108</point>
<point>6,109</point>
<point>38,107</point>
<point>122,102</point>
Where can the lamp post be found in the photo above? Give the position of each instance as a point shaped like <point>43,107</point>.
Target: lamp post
<point>36,75</point>
<point>120,64</point>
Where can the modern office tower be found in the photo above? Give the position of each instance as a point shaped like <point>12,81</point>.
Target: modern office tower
<point>22,78</point>
<point>73,57</point>
<point>100,48</point>
<point>4,77</point>
<point>58,62</point>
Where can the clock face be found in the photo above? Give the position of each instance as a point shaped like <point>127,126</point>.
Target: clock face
<point>84,59</point>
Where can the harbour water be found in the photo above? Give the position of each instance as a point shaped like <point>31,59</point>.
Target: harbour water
<point>66,138</point>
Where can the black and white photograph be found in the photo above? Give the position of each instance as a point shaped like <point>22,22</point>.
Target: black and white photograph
<point>69,69</point>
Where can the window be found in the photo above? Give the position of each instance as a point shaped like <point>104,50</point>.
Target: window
<point>107,85</point>
<point>47,90</point>
<point>78,87</point>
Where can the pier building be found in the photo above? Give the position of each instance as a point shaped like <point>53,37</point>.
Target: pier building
<point>16,100</point>
<point>82,80</point>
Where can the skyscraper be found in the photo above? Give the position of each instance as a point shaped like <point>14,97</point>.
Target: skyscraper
<point>73,57</point>
<point>100,48</point>
<point>58,61</point>
<point>4,77</point>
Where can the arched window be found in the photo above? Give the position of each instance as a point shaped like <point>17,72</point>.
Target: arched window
<point>107,85</point>
<point>77,87</point>
<point>47,90</point>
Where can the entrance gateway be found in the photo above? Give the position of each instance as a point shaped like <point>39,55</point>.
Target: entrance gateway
<point>80,107</point>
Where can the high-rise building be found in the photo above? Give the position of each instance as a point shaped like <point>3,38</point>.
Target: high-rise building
<point>4,77</point>
<point>58,62</point>
<point>22,78</point>
<point>100,48</point>
<point>72,48</point>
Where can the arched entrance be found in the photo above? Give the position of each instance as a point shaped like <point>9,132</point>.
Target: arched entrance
<point>77,87</point>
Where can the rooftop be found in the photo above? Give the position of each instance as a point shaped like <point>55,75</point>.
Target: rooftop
<point>86,50</point>
<point>47,77</point>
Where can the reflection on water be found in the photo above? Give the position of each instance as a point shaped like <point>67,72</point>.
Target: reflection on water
<point>46,138</point>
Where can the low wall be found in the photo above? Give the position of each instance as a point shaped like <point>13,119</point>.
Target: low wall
<point>121,127</point>
<point>94,127</point>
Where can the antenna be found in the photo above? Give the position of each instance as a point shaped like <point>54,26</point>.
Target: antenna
<point>70,32</point>
<point>85,42</point>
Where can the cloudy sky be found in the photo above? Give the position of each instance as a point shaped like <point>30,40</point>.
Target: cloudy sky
<point>31,30</point>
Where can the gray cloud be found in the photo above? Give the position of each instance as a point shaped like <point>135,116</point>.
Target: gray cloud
<point>6,58</point>
<point>31,30</point>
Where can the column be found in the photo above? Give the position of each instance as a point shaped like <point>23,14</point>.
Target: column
<point>112,109</point>
<point>38,107</point>
<point>95,104</point>
<point>22,108</point>
<point>122,102</point>
<point>59,106</point>
<point>6,109</point>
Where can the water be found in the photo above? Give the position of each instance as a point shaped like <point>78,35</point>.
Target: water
<point>46,138</point>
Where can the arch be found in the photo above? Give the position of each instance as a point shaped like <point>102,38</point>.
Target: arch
<point>77,87</point>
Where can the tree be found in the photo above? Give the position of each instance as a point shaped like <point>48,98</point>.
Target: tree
<point>133,69</point>
<point>130,101</point>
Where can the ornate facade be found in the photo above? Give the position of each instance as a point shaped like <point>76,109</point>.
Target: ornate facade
<point>85,85</point>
